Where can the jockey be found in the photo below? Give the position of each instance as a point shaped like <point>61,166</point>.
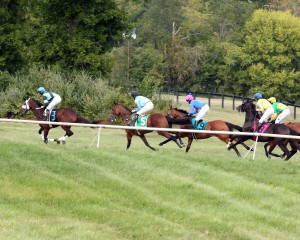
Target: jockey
<point>51,99</point>
<point>263,105</point>
<point>195,106</point>
<point>281,110</point>
<point>144,105</point>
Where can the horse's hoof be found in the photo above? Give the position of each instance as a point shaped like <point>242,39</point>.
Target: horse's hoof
<point>160,144</point>
<point>46,141</point>
<point>58,142</point>
<point>64,142</point>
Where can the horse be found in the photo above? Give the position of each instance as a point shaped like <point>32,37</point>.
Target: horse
<point>62,115</point>
<point>180,116</point>
<point>251,118</point>
<point>154,120</point>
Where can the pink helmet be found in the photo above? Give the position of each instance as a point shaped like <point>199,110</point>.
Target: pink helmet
<point>189,97</point>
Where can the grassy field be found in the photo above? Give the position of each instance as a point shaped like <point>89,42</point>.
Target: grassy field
<point>78,191</point>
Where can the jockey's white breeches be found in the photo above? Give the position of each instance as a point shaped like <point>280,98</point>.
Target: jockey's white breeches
<point>267,114</point>
<point>55,101</point>
<point>285,113</point>
<point>148,107</point>
<point>202,112</point>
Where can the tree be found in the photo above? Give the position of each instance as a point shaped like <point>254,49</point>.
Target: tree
<point>10,34</point>
<point>272,47</point>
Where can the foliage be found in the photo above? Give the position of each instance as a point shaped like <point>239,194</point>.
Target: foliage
<point>272,42</point>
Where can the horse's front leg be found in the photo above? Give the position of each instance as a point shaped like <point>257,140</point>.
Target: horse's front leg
<point>129,135</point>
<point>41,130</point>
<point>190,140</point>
<point>46,131</point>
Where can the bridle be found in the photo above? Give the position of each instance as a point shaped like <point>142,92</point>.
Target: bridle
<point>252,108</point>
<point>123,115</point>
<point>170,115</point>
<point>26,106</point>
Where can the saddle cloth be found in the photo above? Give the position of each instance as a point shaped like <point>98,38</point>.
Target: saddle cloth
<point>201,125</point>
<point>262,129</point>
<point>52,116</point>
<point>142,121</point>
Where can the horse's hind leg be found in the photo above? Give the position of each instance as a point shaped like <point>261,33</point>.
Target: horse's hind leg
<point>284,148</point>
<point>69,133</point>
<point>295,146</point>
<point>169,138</point>
<point>146,142</point>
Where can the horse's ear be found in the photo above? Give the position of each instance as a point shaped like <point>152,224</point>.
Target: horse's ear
<point>115,103</point>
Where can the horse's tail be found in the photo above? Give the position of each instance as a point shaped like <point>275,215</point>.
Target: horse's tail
<point>100,121</point>
<point>234,127</point>
<point>81,120</point>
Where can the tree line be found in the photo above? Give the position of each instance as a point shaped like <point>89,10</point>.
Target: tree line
<point>231,46</point>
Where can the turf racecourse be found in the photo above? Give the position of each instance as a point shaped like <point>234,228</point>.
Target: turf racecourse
<point>76,191</point>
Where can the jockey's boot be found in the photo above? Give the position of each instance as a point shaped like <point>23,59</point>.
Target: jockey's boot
<point>134,117</point>
<point>197,122</point>
<point>258,127</point>
<point>46,115</point>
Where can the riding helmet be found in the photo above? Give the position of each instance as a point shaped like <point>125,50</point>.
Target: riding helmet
<point>189,97</point>
<point>272,99</point>
<point>257,96</point>
<point>41,90</point>
<point>134,93</point>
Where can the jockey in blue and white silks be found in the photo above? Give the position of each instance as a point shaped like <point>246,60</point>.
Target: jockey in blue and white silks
<point>51,99</point>
<point>144,105</point>
<point>197,107</point>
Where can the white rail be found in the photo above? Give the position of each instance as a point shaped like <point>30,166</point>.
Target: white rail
<point>149,128</point>
<point>100,126</point>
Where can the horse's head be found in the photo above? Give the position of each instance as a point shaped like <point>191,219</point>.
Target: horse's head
<point>177,113</point>
<point>30,104</point>
<point>247,106</point>
<point>118,110</point>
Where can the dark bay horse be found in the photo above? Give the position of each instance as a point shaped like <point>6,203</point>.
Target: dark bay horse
<point>62,115</point>
<point>179,116</point>
<point>251,119</point>
<point>154,120</point>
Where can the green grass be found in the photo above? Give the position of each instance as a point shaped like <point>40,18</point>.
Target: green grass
<point>78,191</point>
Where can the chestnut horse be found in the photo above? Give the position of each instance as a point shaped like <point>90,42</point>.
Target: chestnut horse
<point>179,116</point>
<point>62,115</point>
<point>154,120</point>
<point>251,119</point>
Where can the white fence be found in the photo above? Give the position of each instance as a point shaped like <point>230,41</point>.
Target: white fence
<point>100,126</point>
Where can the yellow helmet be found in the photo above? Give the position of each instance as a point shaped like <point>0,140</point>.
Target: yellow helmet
<point>272,99</point>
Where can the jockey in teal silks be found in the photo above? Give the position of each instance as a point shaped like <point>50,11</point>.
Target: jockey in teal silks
<point>197,107</point>
<point>144,105</point>
<point>51,99</point>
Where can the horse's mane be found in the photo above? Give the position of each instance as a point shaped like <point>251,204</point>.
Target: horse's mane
<point>36,101</point>
<point>181,110</point>
<point>125,107</point>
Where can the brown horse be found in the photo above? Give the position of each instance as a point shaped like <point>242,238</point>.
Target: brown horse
<point>251,119</point>
<point>294,125</point>
<point>62,115</point>
<point>179,116</point>
<point>154,120</point>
